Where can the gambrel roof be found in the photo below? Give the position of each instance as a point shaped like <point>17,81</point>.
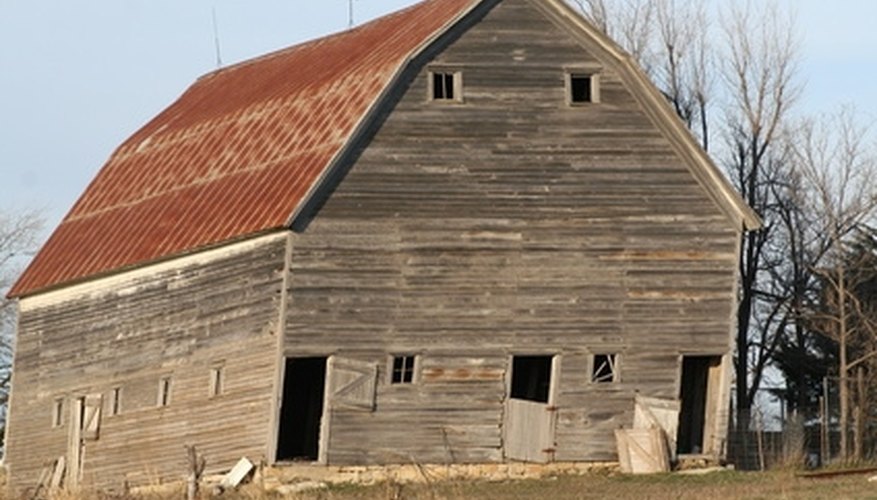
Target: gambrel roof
<point>244,149</point>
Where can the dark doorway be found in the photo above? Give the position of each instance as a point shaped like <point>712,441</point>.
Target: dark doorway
<point>531,378</point>
<point>302,409</point>
<point>698,394</point>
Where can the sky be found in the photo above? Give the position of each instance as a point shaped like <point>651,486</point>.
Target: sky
<point>77,78</point>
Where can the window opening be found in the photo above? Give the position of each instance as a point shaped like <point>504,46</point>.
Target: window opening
<point>443,86</point>
<point>531,378</point>
<point>116,401</point>
<point>403,370</point>
<point>58,412</point>
<point>164,391</point>
<point>583,88</point>
<point>216,382</point>
<point>605,369</point>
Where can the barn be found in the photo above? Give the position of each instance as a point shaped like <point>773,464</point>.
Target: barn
<point>470,231</point>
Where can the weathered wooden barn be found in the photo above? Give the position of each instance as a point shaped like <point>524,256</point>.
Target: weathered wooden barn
<point>471,231</point>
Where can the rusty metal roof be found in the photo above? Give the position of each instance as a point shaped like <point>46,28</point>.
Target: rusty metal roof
<point>237,154</point>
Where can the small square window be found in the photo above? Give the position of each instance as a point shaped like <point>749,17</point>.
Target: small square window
<point>216,381</point>
<point>164,392</point>
<point>58,412</point>
<point>582,88</point>
<point>445,86</point>
<point>116,401</point>
<point>604,369</point>
<point>403,370</point>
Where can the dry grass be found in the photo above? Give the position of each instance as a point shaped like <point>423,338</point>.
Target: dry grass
<point>715,486</point>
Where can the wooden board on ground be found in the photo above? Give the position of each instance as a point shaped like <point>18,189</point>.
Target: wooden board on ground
<point>237,473</point>
<point>642,451</point>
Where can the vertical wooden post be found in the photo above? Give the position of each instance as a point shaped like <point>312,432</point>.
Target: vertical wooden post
<point>826,422</point>
<point>823,434</point>
<point>759,436</point>
<point>74,444</point>
<point>859,435</point>
<point>843,371</point>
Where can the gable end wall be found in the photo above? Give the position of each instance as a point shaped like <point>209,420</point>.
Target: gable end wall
<point>510,223</point>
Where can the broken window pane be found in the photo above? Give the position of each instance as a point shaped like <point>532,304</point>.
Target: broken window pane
<point>605,368</point>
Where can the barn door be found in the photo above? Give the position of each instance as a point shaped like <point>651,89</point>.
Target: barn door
<point>351,386</point>
<point>530,413</point>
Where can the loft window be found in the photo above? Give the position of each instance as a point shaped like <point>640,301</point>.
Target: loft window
<point>164,391</point>
<point>582,88</point>
<point>445,86</point>
<point>403,369</point>
<point>604,369</point>
<point>216,381</point>
<point>58,412</point>
<point>116,401</point>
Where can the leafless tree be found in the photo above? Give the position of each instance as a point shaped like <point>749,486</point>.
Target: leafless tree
<point>838,163</point>
<point>760,76</point>
<point>18,239</point>
<point>631,23</point>
<point>683,62</point>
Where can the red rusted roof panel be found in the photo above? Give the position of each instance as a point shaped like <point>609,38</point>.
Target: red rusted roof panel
<point>236,154</point>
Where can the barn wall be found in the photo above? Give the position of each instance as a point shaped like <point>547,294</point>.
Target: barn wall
<point>178,320</point>
<point>510,223</point>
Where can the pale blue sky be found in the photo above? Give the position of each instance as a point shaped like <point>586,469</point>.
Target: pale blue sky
<point>77,78</point>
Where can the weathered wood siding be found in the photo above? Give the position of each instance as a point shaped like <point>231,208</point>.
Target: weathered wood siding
<point>177,322</point>
<point>510,223</point>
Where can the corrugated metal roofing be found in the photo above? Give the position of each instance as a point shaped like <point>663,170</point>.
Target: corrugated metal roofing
<point>237,153</point>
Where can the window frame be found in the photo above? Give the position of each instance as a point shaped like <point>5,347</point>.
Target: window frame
<point>614,365</point>
<point>591,74</point>
<point>457,88</point>
<point>414,368</point>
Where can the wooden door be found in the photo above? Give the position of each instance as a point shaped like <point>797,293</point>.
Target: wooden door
<point>74,442</point>
<point>351,385</point>
<point>530,416</point>
<point>529,431</point>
